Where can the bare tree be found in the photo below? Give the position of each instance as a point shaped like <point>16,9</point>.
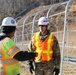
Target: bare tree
<point>13,7</point>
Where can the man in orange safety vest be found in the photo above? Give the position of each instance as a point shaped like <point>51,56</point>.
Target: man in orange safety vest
<point>46,45</point>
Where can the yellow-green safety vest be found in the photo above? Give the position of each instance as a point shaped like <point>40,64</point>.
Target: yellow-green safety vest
<point>8,65</point>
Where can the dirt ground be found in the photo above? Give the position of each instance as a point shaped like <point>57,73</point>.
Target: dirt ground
<point>68,69</point>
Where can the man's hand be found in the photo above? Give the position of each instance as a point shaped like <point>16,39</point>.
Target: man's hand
<point>36,54</point>
<point>56,71</point>
<point>31,67</point>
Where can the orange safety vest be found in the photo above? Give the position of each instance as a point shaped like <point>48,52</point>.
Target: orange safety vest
<point>44,49</point>
<point>8,65</point>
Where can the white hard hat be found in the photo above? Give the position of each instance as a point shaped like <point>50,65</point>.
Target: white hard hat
<point>43,21</point>
<point>9,21</point>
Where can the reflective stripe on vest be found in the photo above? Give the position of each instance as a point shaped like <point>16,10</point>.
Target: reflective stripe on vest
<point>0,55</point>
<point>7,63</point>
<point>1,70</point>
<point>0,50</point>
<point>44,53</point>
<point>13,51</point>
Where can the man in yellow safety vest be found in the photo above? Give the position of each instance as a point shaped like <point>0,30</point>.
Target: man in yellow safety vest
<point>46,45</point>
<point>10,54</point>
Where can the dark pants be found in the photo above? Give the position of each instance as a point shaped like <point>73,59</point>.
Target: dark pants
<point>18,74</point>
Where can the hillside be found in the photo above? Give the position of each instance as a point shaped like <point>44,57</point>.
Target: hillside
<point>16,7</point>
